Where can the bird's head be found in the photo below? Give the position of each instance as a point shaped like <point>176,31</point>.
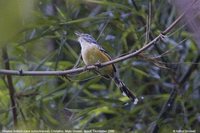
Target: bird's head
<point>82,37</point>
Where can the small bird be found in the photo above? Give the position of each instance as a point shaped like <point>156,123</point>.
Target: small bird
<point>92,53</point>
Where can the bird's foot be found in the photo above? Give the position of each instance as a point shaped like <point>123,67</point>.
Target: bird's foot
<point>85,67</point>
<point>98,64</point>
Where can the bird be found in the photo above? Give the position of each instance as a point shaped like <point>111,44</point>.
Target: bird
<point>92,53</point>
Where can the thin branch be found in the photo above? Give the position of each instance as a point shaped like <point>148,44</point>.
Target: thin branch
<point>180,82</point>
<point>81,69</point>
<point>193,67</point>
<point>10,85</point>
<point>178,19</point>
<point>78,61</point>
<point>78,70</point>
<point>169,104</point>
<point>173,24</point>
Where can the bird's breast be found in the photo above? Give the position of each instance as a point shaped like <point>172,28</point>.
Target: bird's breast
<point>92,55</point>
<point>89,55</point>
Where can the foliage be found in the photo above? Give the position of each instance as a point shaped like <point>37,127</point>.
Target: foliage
<point>87,101</point>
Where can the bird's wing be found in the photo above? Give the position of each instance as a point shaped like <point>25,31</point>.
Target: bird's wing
<point>106,53</point>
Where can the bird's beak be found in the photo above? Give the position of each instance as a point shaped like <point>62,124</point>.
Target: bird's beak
<point>78,33</point>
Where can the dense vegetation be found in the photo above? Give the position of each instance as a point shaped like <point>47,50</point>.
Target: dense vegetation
<point>39,36</point>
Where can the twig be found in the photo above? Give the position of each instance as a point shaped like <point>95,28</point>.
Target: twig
<point>77,70</point>
<point>169,104</point>
<point>190,70</point>
<point>81,69</point>
<point>10,85</point>
<point>78,61</point>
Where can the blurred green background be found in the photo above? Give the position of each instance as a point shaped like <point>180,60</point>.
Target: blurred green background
<point>39,35</point>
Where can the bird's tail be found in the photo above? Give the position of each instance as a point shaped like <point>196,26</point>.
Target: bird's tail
<point>125,90</point>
